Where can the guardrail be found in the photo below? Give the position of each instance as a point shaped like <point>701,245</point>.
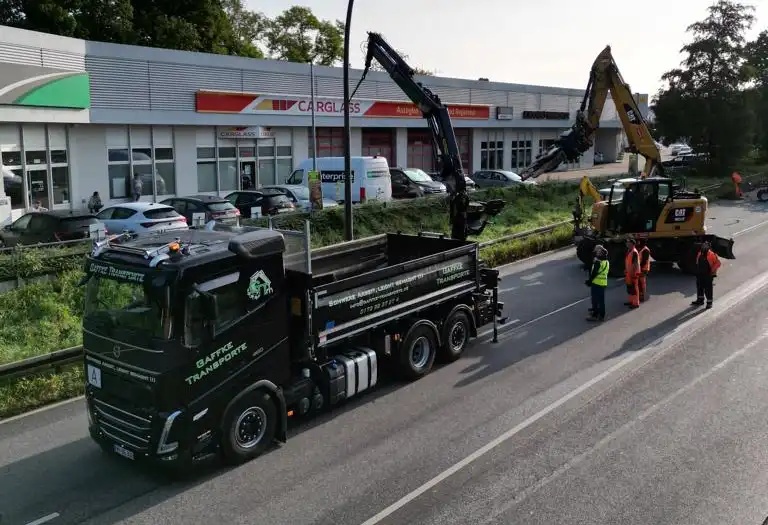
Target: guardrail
<point>59,244</point>
<point>67,356</point>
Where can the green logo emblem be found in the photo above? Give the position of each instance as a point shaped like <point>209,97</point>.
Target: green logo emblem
<point>259,286</point>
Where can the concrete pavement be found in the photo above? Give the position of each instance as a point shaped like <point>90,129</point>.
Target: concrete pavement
<point>382,449</point>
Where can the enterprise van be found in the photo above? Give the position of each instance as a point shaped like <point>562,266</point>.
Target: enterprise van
<point>370,178</point>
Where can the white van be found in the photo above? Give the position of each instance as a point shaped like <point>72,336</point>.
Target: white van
<point>370,177</point>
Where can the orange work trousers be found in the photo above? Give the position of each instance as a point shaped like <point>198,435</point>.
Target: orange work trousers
<point>642,287</point>
<point>634,292</point>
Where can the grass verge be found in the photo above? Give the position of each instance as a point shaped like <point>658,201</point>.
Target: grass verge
<point>43,317</point>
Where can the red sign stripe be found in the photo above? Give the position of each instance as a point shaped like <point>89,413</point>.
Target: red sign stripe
<point>222,102</point>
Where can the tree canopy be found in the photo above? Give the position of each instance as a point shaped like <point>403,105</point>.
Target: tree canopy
<point>717,99</point>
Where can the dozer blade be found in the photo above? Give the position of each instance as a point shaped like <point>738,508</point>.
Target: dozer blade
<point>721,246</point>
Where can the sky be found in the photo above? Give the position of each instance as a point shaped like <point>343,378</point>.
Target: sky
<point>539,42</point>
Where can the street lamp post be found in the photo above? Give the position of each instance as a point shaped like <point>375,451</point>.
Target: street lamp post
<point>347,142</point>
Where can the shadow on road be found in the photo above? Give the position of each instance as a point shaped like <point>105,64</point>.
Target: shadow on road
<point>523,341</point>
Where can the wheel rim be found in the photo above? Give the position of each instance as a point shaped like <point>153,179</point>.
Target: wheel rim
<point>420,350</point>
<point>457,337</point>
<point>250,427</point>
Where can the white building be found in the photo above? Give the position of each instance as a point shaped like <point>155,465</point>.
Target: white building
<point>78,117</point>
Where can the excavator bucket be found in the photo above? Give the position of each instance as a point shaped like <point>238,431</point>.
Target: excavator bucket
<point>721,246</point>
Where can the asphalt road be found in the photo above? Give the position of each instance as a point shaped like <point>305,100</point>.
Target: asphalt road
<point>561,421</point>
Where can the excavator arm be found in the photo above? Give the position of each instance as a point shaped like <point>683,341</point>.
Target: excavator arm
<point>604,78</point>
<point>466,218</point>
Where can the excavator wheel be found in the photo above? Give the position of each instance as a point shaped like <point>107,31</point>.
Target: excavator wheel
<point>584,252</point>
<point>616,254</point>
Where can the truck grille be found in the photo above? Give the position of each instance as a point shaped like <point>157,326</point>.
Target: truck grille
<point>122,426</point>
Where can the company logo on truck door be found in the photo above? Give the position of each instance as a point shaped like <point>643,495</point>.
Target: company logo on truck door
<point>215,360</point>
<point>259,286</point>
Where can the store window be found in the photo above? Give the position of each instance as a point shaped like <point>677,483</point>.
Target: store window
<point>492,151</point>
<point>35,165</point>
<point>144,151</point>
<point>330,142</point>
<point>521,153</point>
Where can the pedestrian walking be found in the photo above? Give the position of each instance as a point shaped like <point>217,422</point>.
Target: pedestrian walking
<point>645,269</point>
<point>137,187</point>
<point>707,264</point>
<point>632,274</point>
<point>598,282</point>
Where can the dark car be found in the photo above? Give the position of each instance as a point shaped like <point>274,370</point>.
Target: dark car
<point>408,183</point>
<point>471,186</point>
<point>214,208</point>
<point>47,226</point>
<point>271,201</point>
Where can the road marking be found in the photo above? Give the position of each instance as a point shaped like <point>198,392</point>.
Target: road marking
<point>41,409</point>
<point>553,312</point>
<point>518,498</point>
<point>682,332</point>
<point>510,289</point>
<point>44,519</point>
<point>754,227</point>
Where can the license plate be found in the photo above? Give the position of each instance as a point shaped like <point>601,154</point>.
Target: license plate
<point>122,451</point>
<point>94,376</point>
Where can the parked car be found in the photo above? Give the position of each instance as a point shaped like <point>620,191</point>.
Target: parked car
<point>214,208</point>
<point>140,217</point>
<point>299,195</point>
<point>471,186</point>
<point>409,183</point>
<point>271,202</point>
<point>498,178</point>
<point>47,226</point>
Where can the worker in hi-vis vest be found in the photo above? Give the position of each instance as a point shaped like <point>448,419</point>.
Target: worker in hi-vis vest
<point>598,282</point>
<point>632,274</point>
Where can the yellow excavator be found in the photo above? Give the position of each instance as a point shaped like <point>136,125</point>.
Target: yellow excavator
<point>650,206</point>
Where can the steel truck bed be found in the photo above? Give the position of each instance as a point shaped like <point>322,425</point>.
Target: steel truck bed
<point>357,288</point>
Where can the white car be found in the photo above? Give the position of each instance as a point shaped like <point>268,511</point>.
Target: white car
<point>141,217</point>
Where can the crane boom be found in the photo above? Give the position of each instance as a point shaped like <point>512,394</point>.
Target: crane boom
<point>466,218</point>
<point>604,78</point>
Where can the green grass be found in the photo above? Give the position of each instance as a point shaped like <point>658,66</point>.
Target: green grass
<point>43,317</point>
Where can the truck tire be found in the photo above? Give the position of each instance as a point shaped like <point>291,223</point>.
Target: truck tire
<point>762,195</point>
<point>455,336</point>
<point>616,260</point>
<point>249,427</point>
<point>584,252</point>
<point>417,355</point>
<point>687,261</point>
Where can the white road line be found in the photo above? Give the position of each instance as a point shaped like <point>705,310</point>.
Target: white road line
<point>518,498</point>
<point>507,325</point>
<point>683,331</point>
<point>44,519</point>
<point>754,227</point>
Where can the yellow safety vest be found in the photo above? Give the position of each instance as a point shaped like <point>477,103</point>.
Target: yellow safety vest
<point>601,279</point>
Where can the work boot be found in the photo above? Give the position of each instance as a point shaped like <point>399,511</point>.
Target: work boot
<point>709,305</point>
<point>697,302</point>
<point>594,319</point>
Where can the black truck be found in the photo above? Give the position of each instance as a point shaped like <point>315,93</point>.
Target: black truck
<point>208,342</point>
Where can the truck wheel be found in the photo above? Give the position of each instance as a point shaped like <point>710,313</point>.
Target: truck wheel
<point>687,261</point>
<point>762,195</point>
<point>584,252</point>
<point>249,427</point>
<point>418,353</point>
<point>616,260</point>
<point>455,336</point>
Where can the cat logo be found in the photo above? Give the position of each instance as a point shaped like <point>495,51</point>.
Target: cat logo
<point>259,286</point>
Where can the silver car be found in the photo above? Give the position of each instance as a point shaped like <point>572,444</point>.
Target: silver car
<point>498,178</point>
<point>140,217</point>
<point>299,194</point>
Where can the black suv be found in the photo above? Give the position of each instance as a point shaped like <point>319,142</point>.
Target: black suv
<point>47,226</point>
<point>214,208</point>
<point>271,201</point>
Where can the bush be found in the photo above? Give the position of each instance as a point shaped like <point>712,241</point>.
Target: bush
<point>28,262</point>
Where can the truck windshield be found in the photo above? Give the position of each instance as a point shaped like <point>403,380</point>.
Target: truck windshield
<point>115,307</point>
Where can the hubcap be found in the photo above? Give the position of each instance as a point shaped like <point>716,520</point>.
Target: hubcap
<point>250,427</point>
<point>420,350</point>
<point>457,336</point>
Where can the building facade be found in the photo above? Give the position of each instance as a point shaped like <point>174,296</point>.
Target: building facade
<point>78,117</point>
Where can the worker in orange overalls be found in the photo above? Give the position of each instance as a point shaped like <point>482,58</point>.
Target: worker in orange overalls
<point>645,268</point>
<point>707,264</point>
<point>632,273</point>
<point>736,178</point>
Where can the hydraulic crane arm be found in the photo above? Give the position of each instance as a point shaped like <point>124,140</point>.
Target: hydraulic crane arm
<point>466,218</point>
<point>604,78</point>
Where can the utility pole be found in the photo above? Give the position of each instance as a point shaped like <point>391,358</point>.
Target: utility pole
<point>348,234</point>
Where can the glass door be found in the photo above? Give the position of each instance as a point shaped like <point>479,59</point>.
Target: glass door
<point>37,186</point>
<point>248,175</point>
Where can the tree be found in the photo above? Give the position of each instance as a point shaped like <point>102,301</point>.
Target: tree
<point>757,71</point>
<point>703,99</point>
<point>297,35</point>
<point>247,29</point>
<point>375,66</point>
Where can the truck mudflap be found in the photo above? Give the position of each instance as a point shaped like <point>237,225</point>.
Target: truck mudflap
<point>721,246</point>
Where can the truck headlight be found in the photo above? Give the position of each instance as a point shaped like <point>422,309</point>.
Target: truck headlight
<point>163,447</point>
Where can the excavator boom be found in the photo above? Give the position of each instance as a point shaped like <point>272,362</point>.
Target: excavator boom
<point>604,78</point>
<point>465,219</point>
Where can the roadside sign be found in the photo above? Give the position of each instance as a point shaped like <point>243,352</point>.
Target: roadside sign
<point>198,220</point>
<point>315,190</point>
<point>97,231</point>
<point>255,212</point>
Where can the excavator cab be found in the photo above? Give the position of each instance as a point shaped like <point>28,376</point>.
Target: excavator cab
<point>639,207</point>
